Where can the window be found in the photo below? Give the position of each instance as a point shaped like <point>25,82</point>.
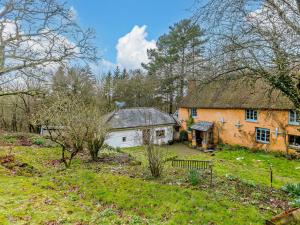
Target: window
<point>160,133</point>
<point>193,112</point>
<point>124,139</point>
<point>293,117</point>
<point>262,135</point>
<point>251,115</point>
<point>294,141</point>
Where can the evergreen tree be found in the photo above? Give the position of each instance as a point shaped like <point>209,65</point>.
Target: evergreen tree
<point>124,74</point>
<point>178,56</point>
<point>117,73</point>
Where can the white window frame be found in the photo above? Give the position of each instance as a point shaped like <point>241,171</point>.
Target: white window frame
<point>193,112</point>
<point>253,115</point>
<point>293,117</point>
<point>262,135</point>
<point>293,145</point>
<point>160,136</point>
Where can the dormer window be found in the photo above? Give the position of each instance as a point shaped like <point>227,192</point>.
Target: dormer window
<point>293,117</point>
<point>193,112</point>
<point>251,115</point>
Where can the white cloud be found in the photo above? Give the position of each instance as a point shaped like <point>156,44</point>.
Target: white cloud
<point>132,48</point>
<point>102,67</point>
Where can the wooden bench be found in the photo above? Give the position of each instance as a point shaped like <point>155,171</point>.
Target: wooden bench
<point>194,165</point>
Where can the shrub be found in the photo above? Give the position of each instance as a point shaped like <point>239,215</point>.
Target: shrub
<point>183,135</point>
<point>109,148</point>
<point>249,183</point>
<point>231,177</point>
<point>39,141</point>
<point>292,189</point>
<point>194,177</point>
<point>156,159</point>
<point>190,122</point>
<point>295,203</point>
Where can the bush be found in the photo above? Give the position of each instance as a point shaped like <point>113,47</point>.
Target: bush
<point>39,141</point>
<point>292,189</point>
<point>194,177</point>
<point>156,159</point>
<point>249,183</point>
<point>231,177</point>
<point>296,203</point>
<point>109,148</point>
<point>183,135</point>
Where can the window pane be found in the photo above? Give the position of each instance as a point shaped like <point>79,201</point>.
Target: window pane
<point>297,117</point>
<point>297,140</point>
<point>294,140</point>
<point>255,115</point>
<point>292,116</point>
<point>251,114</point>
<point>262,134</point>
<point>258,134</point>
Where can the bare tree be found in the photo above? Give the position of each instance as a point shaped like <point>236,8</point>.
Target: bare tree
<point>63,118</point>
<point>156,156</point>
<point>38,36</point>
<point>258,38</point>
<point>97,130</point>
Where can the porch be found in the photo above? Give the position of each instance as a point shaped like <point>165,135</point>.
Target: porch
<point>202,135</point>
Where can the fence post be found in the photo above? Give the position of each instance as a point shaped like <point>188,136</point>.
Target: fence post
<point>211,173</point>
<point>271,176</point>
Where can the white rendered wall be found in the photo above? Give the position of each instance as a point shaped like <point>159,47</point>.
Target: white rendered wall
<point>134,137</point>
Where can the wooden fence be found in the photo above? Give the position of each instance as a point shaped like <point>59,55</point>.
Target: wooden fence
<point>194,165</point>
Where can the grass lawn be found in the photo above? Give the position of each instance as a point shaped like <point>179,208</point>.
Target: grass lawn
<point>246,165</point>
<point>96,193</point>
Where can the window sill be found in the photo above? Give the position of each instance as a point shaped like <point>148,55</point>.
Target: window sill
<point>252,121</point>
<point>263,142</point>
<point>295,147</point>
<point>294,124</point>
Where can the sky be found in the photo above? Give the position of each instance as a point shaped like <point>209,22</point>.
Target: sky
<point>125,29</point>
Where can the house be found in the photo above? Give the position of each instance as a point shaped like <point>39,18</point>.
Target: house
<point>133,126</point>
<point>240,111</point>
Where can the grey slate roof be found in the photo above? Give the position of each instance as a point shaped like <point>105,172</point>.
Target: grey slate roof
<point>138,117</point>
<point>202,126</point>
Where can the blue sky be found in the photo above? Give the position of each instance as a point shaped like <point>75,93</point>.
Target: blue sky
<point>113,19</point>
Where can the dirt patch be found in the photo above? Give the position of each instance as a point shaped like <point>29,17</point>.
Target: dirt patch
<point>24,141</point>
<point>119,158</point>
<point>54,163</point>
<point>16,167</point>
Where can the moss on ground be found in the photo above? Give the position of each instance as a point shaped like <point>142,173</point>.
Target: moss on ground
<point>89,193</point>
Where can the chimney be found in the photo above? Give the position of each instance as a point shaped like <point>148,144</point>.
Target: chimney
<point>192,84</point>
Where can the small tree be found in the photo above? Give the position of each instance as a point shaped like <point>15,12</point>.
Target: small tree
<point>97,131</point>
<point>64,118</point>
<point>156,159</point>
<point>155,154</point>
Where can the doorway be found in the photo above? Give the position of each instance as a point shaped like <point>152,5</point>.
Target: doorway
<point>199,138</point>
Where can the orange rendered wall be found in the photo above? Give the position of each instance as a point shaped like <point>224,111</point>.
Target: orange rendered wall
<point>228,133</point>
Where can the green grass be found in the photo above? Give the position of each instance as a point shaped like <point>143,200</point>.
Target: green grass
<point>84,194</point>
<point>251,167</point>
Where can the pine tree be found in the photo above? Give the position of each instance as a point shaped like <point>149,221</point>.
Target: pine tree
<point>117,73</point>
<point>178,56</point>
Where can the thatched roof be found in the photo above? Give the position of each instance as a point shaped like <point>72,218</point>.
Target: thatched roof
<point>139,117</point>
<point>237,93</point>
